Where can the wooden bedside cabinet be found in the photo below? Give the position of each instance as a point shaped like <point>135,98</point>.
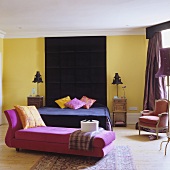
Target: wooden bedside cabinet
<point>119,112</point>
<point>37,101</point>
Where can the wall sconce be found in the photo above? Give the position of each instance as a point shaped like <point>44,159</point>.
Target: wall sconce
<point>117,81</point>
<point>37,79</point>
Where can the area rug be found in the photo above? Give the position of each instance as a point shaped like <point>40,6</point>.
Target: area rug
<point>120,158</point>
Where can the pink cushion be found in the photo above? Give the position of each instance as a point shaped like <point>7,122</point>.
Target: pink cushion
<point>75,104</point>
<point>89,102</point>
<point>149,119</point>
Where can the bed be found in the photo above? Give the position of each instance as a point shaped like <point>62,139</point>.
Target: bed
<point>75,66</point>
<point>67,117</point>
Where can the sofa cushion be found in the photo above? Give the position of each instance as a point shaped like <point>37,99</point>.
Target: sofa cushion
<point>29,116</point>
<point>45,134</point>
<point>89,102</point>
<point>61,135</point>
<point>149,119</point>
<point>61,102</point>
<point>75,104</point>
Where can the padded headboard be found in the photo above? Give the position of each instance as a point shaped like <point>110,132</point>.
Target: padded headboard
<point>75,66</point>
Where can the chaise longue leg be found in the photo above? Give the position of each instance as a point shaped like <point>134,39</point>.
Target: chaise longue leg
<point>17,149</point>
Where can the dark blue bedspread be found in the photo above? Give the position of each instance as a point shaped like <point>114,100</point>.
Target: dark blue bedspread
<point>101,111</point>
<point>53,116</point>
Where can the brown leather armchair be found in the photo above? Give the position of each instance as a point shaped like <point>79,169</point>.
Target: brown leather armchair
<point>157,119</point>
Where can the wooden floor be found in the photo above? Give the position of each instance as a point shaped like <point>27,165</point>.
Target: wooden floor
<point>145,152</point>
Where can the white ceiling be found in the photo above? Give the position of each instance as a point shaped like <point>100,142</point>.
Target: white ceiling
<point>47,18</point>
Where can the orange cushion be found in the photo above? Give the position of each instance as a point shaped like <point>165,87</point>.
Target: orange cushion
<point>29,116</point>
<point>89,102</point>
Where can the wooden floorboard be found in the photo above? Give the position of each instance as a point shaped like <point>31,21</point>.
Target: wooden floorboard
<point>145,152</point>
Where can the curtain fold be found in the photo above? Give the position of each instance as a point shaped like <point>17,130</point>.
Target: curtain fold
<point>154,87</point>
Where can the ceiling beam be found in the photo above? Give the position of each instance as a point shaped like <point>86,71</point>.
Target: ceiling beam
<point>150,31</point>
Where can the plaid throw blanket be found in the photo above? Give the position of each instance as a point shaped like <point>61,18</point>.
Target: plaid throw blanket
<point>82,140</point>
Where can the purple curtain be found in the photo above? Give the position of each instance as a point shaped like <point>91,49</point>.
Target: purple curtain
<point>154,87</point>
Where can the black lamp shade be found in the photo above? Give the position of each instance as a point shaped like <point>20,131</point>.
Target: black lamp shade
<point>37,78</point>
<point>117,79</point>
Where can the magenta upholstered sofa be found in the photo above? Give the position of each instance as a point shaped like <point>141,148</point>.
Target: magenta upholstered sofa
<point>52,139</point>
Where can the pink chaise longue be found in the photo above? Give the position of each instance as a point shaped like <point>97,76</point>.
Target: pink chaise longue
<point>52,139</point>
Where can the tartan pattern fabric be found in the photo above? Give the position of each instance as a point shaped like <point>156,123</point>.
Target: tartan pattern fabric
<point>82,140</point>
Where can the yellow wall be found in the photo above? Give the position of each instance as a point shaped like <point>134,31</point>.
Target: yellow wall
<point>23,57</point>
<point>1,70</point>
<point>1,51</point>
<point>126,55</point>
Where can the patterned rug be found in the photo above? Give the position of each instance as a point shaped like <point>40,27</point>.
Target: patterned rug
<point>120,158</point>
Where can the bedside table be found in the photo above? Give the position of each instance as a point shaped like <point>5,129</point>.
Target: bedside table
<point>119,109</point>
<point>37,101</point>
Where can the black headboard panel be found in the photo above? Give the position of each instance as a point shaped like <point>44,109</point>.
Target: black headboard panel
<point>75,66</point>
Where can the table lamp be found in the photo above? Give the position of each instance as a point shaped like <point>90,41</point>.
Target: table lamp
<point>37,79</point>
<point>117,81</point>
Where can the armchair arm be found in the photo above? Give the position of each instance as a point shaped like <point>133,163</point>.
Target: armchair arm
<point>147,113</point>
<point>163,114</point>
<point>163,119</point>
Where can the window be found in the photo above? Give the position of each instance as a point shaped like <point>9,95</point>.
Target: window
<point>166,44</point>
<point>166,38</point>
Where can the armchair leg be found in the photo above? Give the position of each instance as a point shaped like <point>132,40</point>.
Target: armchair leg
<point>161,144</point>
<point>166,146</point>
<point>139,129</point>
<point>157,133</point>
<point>167,142</point>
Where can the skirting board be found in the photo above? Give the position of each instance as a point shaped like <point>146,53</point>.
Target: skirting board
<point>132,118</point>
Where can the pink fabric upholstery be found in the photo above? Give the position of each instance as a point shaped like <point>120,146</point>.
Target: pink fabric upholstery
<point>157,119</point>
<point>14,125</point>
<point>103,139</point>
<point>52,139</point>
<point>61,135</point>
<point>45,134</point>
<point>161,106</point>
<point>149,119</point>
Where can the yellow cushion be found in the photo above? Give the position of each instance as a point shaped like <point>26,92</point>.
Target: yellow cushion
<point>29,116</point>
<point>61,102</point>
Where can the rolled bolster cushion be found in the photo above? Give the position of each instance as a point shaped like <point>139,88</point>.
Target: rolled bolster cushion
<point>89,126</point>
<point>103,139</point>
